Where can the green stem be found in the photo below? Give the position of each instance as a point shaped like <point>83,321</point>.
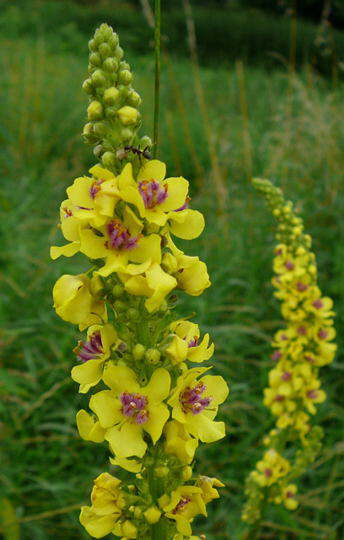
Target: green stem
<point>157,40</point>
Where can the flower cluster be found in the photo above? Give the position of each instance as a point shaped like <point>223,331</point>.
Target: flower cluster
<point>300,349</point>
<point>153,401</point>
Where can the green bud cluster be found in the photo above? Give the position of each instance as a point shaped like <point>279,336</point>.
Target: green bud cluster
<point>113,115</point>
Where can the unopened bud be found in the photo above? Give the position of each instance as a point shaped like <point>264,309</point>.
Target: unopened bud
<point>95,59</point>
<point>111,95</point>
<point>108,159</point>
<point>128,115</point>
<point>152,515</point>
<point>133,314</point>
<point>138,351</point>
<point>99,129</point>
<point>104,50</point>
<point>110,64</point>
<point>153,356</point>
<point>127,134</point>
<point>119,306</point>
<point>125,76</point>
<point>134,98</point>
<point>186,473</point>
<point>161,472</point>
<point>129,529</point>
<point>87,86</point>
<point>98,78</point>
<point>119,52</point>
<point>95,110</point>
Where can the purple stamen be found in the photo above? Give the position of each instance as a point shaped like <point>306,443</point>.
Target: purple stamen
<point>95,188</point>
<point>322,334</point>
<point>192,401</point>
<point>88,350</point>
<point>268,473</point>
<point>152,193</point>
<point>318,304</point>
<point>119,237</point>
<point>312,394</point>
<point>302,287</point>
<point>185,205</point>
<point>134,406</point>
<point>286,376</point>
<point>193,342</point>
<point>184,501</point>
<point>276,355</point>
<point>289,265</point>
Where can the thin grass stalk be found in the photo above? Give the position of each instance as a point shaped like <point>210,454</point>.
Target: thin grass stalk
<point>220,187</point>
<point>157,48</point>
<point>245,118</point>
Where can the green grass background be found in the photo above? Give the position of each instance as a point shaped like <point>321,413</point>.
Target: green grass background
<point>257,119</point>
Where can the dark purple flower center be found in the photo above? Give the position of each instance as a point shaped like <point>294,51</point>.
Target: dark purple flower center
<point>193,342</point>
<point>184,501</point>
<point>302,287</point>
<point>318,304</point>
<point>192,401</point>
<point>286,376</point>
<point>302,331</point>
<point>134,406</point>
<point>279,397</point>
<point>323,334</point>
<point>96,186</point>
<point>93,348</point>
<point>268,473</point>
<point>152,193</point>
<point>276,355</point>
<point>289,265</point>
<point>119,236</point>
<point>312,394</point>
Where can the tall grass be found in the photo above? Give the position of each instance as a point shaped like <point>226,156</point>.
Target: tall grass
<point>293,125</point>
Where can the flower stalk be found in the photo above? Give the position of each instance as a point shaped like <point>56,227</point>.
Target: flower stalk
<point>148,392</point>
<point>301,348</point>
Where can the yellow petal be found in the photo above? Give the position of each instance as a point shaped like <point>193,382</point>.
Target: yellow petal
<point>127,441</point>
<point>216,387</point>
<point>148,248</point>
<point>92,246</point>
<point>177,191</point>
<point>190,228</point>
<point>68,250</point>
<point>79,192</point>
<point>89,429</point>
<point>96,525</point>
<point>152,170</point>
<point>204,428</point>
<point>131,465</point>
<point>107,407</point>
<point>89,372</point>
<point>158,387</point>
<point>120,379</point>
<point>158,417</point>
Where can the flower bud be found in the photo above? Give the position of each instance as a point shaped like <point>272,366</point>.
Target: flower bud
<point>133,314</point>
<point>133,98</point>
<point>113,40</point>
<point>95,59</point>
<point>119,52</point>
<point>129,529</point>
<point>161,472</point>
<point>111,95</point>
<point>87,86</point>
<point>138,351</point>
<point>152,515</point>
<point>99,129</point>
<point>119,306</point>
<point>92,45</point>
<point>125,76</point>
<point>110,64</point>
<point>97,150</point>
<point>108,159</point>
<point>127,134</point>
<point>98,78</point>
<point>95,110</point>
<point>186,473</point>
<point>104,50</point>
<point>153,356</point>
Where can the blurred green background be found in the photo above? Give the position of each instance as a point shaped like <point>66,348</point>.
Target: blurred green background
<point>259,92</point>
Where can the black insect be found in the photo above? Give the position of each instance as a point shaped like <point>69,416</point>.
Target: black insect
<point>141,153</point>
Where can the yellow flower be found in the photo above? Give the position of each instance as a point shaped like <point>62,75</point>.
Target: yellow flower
<point>70,227</point>
<point>120,242</point>
<point>93,353</point>
<point>159,200</point>
<point>185,343</point>
<point>272,467</point>
<point>207,486</point>
<point>179,442</point>
<point>191,273</point>
<point>153,283</point>
<point>195,404</point>
<point>288,497</point>
<point>127,410</point>
<point>183,505</point>
<point>107,503</point>
<point>89,428</point>
<point>312,394</point>
<point>75,303</point>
